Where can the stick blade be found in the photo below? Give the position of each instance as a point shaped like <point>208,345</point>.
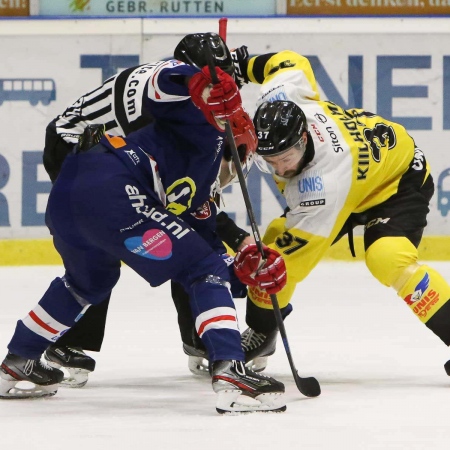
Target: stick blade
<point>309,386</point>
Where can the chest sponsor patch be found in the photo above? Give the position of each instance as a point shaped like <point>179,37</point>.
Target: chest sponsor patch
<point>311,188</point>
<point>154,244</point>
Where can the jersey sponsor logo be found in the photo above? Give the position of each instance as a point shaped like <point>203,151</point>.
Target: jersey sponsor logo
<point>311,187</point>
<point>133,156</point>
<point>176,228</point>
<point>227,259</point>
<point>419,290</point>
<point>422,307</point>
<point>138,200</point>
<point>277,93</point>
<point>321,117</point>
<point>134,89</point>
<point>154,244</point>
<point>136,224</point>
<point>376,221</point>
<point>317,132</point>
<point>220,142</point>
<point>313,202</point>
<point>259,296</point>
<point>334,140</point>
<point>310,184</point>
<point>69,135</point>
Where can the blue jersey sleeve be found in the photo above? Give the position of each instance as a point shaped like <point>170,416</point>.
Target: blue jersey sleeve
<point>167,94</point>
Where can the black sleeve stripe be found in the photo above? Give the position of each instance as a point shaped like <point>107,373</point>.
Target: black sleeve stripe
<point>69,125</point>
<point>96,114</point>
<point>110,125</point>
<point>258,66</point>
<point>97,99</point>
<point>100,87</point>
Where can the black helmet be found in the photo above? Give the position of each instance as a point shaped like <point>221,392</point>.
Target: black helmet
<point>190,51</point>
<point>279,125</point>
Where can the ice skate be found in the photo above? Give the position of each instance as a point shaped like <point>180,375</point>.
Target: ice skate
<point>15,372</point>
<point>198,360</point>
<point>258,347</point>
<point>75,364</point>
<point>241,390</point>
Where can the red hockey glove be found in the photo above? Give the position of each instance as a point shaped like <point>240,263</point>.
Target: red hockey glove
<point>253,270</point>
<point>218,102</point>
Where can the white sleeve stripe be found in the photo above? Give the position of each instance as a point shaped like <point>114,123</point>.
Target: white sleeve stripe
<point>216,318</point>
<point>212,313</point>
<point>43,324</point>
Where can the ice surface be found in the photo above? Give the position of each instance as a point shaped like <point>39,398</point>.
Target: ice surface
<point>381,372</point>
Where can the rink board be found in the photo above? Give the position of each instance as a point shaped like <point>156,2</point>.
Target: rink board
<point>396,67</point>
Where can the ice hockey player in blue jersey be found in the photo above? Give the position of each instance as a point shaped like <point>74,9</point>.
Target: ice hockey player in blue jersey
<point>122,104</point>
<point>132,199</point>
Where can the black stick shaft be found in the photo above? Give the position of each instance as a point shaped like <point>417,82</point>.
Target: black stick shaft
<point>309,387</point>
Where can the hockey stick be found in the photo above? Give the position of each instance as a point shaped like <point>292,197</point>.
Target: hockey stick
<point>223,28</point>
<point>309,386</point>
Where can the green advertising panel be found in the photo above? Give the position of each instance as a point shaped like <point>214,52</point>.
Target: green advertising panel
<point>157,7</point>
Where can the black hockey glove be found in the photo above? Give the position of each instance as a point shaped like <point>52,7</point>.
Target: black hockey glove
<point>91,136</point>
<point>240,62</point>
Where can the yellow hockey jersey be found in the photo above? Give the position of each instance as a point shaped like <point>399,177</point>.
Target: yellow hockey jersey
<point>358,162</point>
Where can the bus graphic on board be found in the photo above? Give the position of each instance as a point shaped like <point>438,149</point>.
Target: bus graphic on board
<point>443,195</point>
<point>33,90</point>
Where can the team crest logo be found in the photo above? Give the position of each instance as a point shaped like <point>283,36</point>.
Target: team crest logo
<point>204,212</point>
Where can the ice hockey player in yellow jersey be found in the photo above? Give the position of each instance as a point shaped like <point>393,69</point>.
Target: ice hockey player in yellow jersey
<point>339,168</point>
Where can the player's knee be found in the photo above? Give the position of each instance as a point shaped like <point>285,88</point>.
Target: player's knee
<point>392,260</point>
<point>211,269</point>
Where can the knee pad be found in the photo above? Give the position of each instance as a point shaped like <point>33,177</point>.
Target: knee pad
<point>388,257</point>
<point>212,279</point>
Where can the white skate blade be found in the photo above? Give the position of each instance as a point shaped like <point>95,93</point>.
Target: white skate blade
<point>73,378</point>
<point>198,366</point>
<point>14,389</point>
<point>232,402</point>
<point>258,364</point>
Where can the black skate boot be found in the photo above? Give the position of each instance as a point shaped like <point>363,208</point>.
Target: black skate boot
<point>75,364</point>
<point>15,369</point>
<point>447,368</point>
<point>241,390</point>
<point>258,347</point>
